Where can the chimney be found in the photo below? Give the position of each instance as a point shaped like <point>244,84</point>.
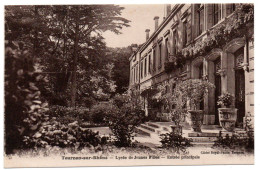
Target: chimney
<point>156,21</point>
<point>147,34</point>
<point>168,9</point>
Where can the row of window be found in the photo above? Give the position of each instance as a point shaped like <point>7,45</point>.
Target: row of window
<point>214,13</point>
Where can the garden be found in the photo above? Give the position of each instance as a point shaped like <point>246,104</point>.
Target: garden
<point>58,88</point>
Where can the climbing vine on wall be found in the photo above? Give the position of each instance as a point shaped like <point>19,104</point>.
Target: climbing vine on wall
<point>239,25</point>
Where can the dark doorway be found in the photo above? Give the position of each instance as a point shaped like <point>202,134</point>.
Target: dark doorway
<point>217,89</point>
<point>201,77</point>
<point>239,85</point>
<point>240,94</point>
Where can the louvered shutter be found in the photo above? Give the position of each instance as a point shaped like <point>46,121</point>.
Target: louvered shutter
<point>228,9</point>
<point>188,29</point>
<point>210,15</point>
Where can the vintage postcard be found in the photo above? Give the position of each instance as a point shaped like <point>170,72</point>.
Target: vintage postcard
<point>128,85</point>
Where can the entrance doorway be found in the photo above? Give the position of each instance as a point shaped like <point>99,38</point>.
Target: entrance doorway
<point>201,77</point>
<point>239,85</point>
<point>217,89</point>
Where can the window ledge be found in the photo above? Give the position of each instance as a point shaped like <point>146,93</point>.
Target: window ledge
<point>200,36</point>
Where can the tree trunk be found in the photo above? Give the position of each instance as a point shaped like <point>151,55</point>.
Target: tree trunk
<point>75,60</point>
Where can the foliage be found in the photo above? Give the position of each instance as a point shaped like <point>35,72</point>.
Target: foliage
<point>54,133</point>
<point>235,141</point>
<point>175,141</point>
<point>238,140</point>
<point>178,62</point>
<point>120,58</point>
<point>238,25</point>
<point>191,92</point>
<point>225,99</point>
<point>99,112</point>
<point>66,115</point>
<point>169,67</point>
<point>23,103</point>
<point>65,40</point>
<point>124,118</point>
<point>185,95</point>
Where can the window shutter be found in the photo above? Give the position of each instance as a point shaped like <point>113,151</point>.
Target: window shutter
<point>168,50</point>
<point>189,29</point>
<point>173,42</point>
<point>210,15</point>
<point>219,12</point>
<point>228,9</point>
<point>137,78</point>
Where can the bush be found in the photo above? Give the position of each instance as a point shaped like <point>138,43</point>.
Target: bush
<point>123,119</point>
<point>55,133</point>
<point>69,114</point>
<point>23,103</point>
<point>238,140</point>
<point>98,113</point>
<point>175,141</point>
<point>235,141</point>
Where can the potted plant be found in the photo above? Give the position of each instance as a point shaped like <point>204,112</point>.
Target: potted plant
<point>227,114</point>
<point>191,92</point>
<point>177,117</point>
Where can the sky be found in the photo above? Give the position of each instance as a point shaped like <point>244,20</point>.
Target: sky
<point>141,17</point>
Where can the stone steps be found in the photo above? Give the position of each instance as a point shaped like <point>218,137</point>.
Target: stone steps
<point>148,127</point>
<point>204,144</point>
<point>153,130</point>
<point>203,139</point>
<point>153,125</point>
<point>142,131</point>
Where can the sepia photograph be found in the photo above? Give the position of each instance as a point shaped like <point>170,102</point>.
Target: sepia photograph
<point>128,84</point>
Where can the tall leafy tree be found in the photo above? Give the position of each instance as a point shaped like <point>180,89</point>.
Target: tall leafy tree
<point>120,59</point>
<point>66,39</point>
<point>86,23</point>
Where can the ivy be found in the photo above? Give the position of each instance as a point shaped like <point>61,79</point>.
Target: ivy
<point>239,24</point>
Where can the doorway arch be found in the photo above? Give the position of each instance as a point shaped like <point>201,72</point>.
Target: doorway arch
<point>214,65</point>
<point>236,51</point>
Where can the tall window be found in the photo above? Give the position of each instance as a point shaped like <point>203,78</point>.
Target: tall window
<point>136,74</point>
<point>185,33</point>
<point>141,69</point>
<point>175,42</point>
<point>200,14</point>
<point>160,55</point>
<point>154,59</point>
<point>145,66</point>
<point>230,8</point>
<point>216,13</point>
<point>201,71</point>
<point>166,49</point>
<point>132,75</point>
<point>149,63</point>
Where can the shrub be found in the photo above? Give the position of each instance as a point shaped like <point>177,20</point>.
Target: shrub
<point>235,141</point>
<point>23,103</point>
<point>175,141</point>
<point>55,133</point>
<point>191,91</point>
<point>69,114</point>
<point>238,140</point>
<point>123,119</point>
<point>98,113</point>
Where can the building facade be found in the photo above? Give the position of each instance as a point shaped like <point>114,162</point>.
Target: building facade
<point>229,67</point>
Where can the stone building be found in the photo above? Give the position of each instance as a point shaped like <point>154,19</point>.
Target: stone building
<point>230,68</point>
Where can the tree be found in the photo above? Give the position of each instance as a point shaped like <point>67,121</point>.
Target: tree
<point>120,58</point>
<point>65,40</point>
<point>87,22</point>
